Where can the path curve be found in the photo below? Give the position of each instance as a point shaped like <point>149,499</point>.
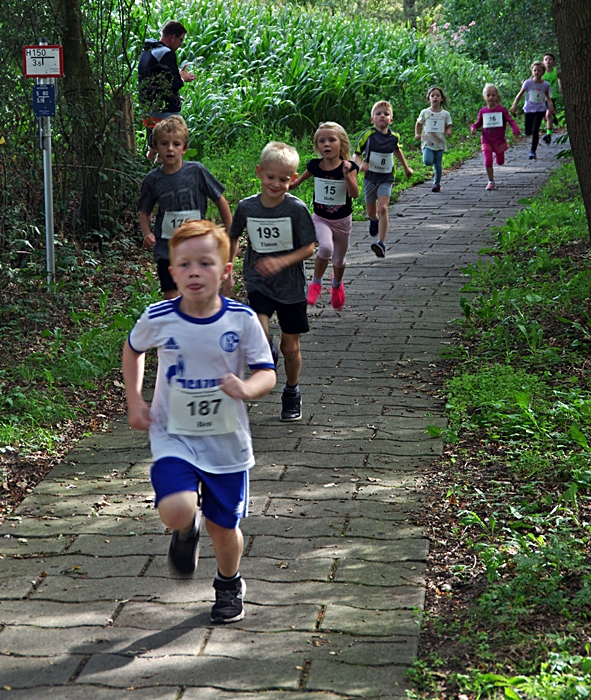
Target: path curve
<point>333,564</point>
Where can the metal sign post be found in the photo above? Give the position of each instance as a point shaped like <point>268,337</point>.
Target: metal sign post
<point>45,64</point>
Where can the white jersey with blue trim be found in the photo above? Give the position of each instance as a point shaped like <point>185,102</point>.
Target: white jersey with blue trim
<point>194,353</point>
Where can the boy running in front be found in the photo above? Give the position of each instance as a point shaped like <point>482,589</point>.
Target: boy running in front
<point>199,433</point>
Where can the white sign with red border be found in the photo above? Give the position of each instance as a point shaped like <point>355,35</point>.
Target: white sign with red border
<point>43,61</point>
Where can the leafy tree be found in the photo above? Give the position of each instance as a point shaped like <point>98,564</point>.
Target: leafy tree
<point>507,33</point>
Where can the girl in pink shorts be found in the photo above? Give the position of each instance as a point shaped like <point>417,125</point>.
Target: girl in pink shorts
<point>335,184</point>
<point>493,120</point>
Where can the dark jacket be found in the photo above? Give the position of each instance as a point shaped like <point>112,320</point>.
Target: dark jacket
<point>159,78</point>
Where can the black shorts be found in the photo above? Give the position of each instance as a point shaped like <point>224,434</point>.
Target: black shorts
<point>293,318</point>
<point>167,284</point>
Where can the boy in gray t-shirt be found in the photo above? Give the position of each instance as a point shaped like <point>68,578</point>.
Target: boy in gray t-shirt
<point>180,189</point>
<point>281,236</point>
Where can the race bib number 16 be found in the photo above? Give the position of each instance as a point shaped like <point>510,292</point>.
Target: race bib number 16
<point>492,120</point>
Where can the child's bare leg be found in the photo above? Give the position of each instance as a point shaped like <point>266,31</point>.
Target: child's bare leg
<point>490,172</point>
<point>177,511</point>
<point>227,546</point>
<point>292,357</point>
<point>371,209</point>
<point>337,274</point>
<point>264,321</point>
<point>320,268</point>
<point>383,202</point>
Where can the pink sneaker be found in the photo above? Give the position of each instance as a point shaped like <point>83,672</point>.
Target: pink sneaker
<point>337,296</point>
<point>314,292</point>
<point>491,185</point>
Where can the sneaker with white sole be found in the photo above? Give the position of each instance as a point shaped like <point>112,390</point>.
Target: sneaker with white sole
<point>379,249</point>
<point>291,405</point>
<point>491,185</point>
<point>229,601</point>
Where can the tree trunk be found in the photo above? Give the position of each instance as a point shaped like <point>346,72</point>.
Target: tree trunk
<point>124,121</point>
<point>573,29</point>
<point>85,112</point>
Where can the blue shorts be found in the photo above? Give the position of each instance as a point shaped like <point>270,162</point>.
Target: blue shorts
<point>373,190</point>
<point>224,497</point>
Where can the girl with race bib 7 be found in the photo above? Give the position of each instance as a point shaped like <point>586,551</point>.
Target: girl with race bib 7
<point>537,100</point>
<point>432,127</point>
<point>335,184</point>
<point>493,120</point>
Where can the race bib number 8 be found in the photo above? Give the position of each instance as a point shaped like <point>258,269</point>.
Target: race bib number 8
<point>173,219</point>
<point>381,162</point>
<point>492,120</point>
<point>201,412</point>
<point>435,126</point>
<point>535,96</point>
<point>270,235</point>
<point>332,193</point>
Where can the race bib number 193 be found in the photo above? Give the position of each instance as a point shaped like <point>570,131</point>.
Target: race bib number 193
<point>270,235</point>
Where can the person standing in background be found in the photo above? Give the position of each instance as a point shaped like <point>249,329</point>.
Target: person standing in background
<point>160,79</point>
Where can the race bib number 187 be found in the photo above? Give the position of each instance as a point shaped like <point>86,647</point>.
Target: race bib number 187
<point>201,412</point>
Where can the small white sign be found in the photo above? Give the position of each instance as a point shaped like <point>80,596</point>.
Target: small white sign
<point>43,61</point>
<point>270,235</point>
<point>331,193</point>
<point>491,120</point>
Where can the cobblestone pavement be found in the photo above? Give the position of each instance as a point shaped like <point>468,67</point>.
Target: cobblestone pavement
<point>333,562</point>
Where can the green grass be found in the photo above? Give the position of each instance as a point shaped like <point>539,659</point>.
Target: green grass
<point>519,408</point>
<point>61,374</point>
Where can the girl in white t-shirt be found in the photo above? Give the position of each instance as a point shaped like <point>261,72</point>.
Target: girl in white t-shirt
<point>432,127</point>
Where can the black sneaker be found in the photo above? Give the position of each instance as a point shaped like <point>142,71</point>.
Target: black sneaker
<point>532,155</point>
<point>291,405</point>
<point>379,249</point>
<point>228,606</point>
<point>183,554</point>
<point>373,227</point>
<point>274,350</point>
<point>547,139</point>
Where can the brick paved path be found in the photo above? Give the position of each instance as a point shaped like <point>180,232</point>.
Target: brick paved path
<point>334,565</point>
